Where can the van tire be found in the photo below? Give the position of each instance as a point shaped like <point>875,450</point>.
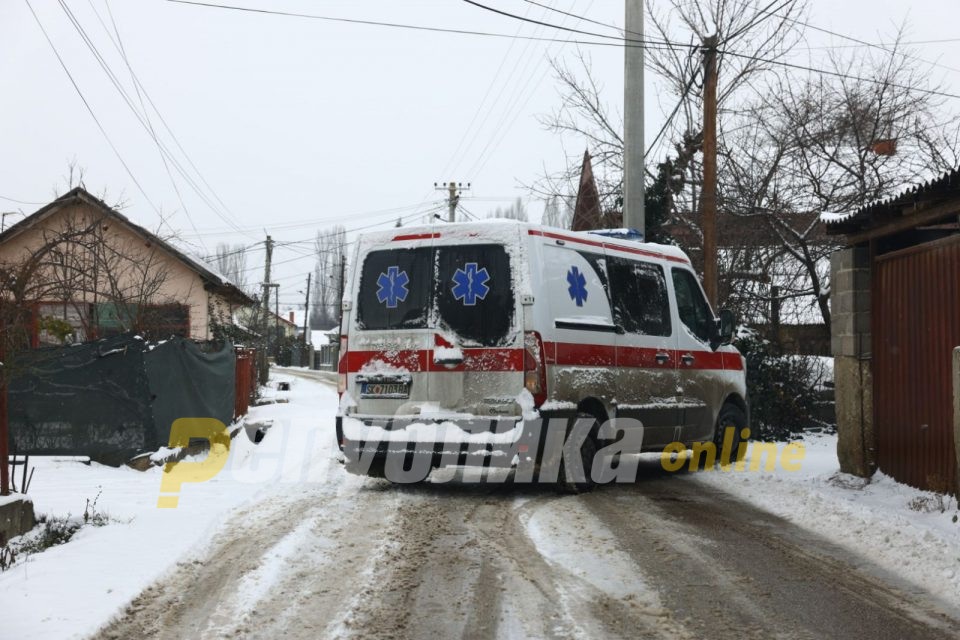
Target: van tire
<point>377,468</point>
<point>588,451</point>
<point>730,416</point>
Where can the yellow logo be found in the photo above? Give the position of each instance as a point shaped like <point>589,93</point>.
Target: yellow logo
<point>675,455</point>
<point>176,473</point>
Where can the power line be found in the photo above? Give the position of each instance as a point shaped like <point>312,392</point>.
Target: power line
<point>584,18</point>
<point>862,43</point>
<point>314,222</point>
<point>593,34</point>
<point>676,109</point>
<point>882,44</point>
<point>169,130</point>
<point>420,27</point>
<point>746,56</point>
<point>493,81</point>
<point>118,44</point>
<point>838,74</point>
<point>20,201</point>
<point>140,118</point>
<point>90,110</point>
<point>502,131</point>
<point>619,42</point>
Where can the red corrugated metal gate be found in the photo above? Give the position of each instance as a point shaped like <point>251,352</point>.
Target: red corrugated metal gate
<point>916,325</point>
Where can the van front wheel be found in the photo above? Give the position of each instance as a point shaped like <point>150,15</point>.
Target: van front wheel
<point>731,417</point>
<point>580,480</point>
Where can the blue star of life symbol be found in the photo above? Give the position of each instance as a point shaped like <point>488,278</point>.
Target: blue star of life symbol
<point>578,286</point>
<point>393,287</point>
<point>470,284</point>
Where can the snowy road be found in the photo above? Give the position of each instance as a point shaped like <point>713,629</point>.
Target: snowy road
<point>283,543</point>
<point>668,557</point>
<point>660,559</point>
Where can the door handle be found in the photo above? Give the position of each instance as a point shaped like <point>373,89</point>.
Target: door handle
<point>662,357</point>
<point>687,359</point>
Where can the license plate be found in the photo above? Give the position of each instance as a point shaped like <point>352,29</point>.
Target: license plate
<point>385,390</point>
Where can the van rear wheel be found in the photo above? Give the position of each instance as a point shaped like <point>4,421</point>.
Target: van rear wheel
<point>580,480</point>
<point>377,468</point>
<point>731,416</point>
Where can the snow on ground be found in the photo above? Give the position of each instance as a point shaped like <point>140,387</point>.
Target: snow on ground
<point>575,549</point>
<point>71,589</point>
<point>899,528</point>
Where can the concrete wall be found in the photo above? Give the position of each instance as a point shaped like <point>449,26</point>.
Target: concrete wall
<point>851,345</point>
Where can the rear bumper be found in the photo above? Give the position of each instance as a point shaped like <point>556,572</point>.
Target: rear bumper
<point>475,441</point>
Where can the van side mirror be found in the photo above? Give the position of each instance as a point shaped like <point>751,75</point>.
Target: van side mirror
<point>725,326</point>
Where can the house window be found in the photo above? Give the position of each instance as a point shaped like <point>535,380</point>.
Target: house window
<point>152,321</point>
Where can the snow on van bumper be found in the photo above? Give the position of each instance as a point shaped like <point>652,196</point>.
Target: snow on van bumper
<point>454,429</point>
<point>460,440</point>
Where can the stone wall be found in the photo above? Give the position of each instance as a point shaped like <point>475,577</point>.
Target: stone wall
<point>851,345</point>
<point>16,516</point>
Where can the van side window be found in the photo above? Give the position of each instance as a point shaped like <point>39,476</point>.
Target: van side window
<point>691,305</point>
<point>599,265</point>
<point>639,291</point>
<point>395,287</point>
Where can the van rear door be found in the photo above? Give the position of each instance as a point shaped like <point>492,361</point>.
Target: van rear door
<point>477,361</point>
<point>388,350</point>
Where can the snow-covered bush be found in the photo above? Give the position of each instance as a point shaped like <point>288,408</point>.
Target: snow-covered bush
<point>783,389</point>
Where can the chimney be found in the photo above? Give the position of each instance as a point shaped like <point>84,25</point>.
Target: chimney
<point>292,321</point>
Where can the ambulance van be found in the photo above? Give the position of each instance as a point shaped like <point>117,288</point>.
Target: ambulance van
<point>455,338</point>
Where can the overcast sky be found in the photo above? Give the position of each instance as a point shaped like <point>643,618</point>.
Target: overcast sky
<point>297,123</point>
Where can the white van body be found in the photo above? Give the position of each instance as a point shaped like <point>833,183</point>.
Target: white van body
<point>458,333</point>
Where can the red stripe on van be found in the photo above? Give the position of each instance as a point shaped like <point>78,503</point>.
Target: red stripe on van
<point>421,360</point>
<point>587,355</point>
<point>555,353</point>
<point>597,355</point>
<point>416,236</point>
<point>608,245</point>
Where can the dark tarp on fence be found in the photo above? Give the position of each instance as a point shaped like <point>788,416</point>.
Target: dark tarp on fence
<point>186,382</point>
<point>115,398</point>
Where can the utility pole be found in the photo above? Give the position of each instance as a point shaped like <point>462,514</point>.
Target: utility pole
<point>306,314</point>
<point>708,200</point>
<point>634,216</point>
<point>263,369</point>
<point>454,191</point>
<point>266,274</point>
<point>276,324</point>
<point>343,271</point>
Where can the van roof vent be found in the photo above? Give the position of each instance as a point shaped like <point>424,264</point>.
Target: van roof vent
<point>633,235</point>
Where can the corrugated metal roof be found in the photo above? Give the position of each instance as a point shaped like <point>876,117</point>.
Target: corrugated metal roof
<point>947,184</point>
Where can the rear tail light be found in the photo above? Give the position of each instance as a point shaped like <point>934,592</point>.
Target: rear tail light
<point>342,367</point>
<point>534,368</point>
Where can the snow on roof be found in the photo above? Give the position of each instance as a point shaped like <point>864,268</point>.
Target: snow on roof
<point>506,231</point>
<point>829,217</point>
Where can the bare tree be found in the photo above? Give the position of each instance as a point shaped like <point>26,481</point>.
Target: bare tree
<point>330,246</point>
<point>514,211</point>
<point>557,212</point>
<point>231,261</point>
<point>753,35</point>
<point>830,143</point>
<point>791,144</point>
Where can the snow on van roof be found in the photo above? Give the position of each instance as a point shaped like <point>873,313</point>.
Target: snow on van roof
<point>504,230</point>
